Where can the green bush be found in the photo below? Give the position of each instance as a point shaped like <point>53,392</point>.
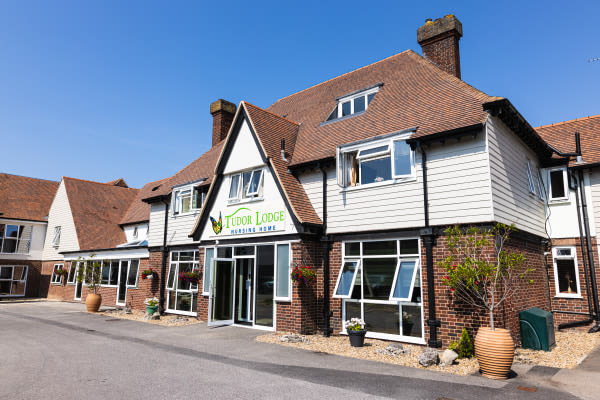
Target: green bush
<point>465,345</point>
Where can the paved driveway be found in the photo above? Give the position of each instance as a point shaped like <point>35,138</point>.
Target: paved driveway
<point>52,350</point>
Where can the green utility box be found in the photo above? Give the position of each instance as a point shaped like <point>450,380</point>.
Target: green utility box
<point>537,329</point>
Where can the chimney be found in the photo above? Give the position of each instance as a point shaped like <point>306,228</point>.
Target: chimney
<point>439,41</point>
<point>223,113</point>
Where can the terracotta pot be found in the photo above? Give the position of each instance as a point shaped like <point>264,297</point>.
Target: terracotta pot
<point>495,351</point>
<point>92,302</point>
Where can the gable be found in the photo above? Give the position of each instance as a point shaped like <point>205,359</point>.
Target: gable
<point>267,214</point>
<point>60,215</point>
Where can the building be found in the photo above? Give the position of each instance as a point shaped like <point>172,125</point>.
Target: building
<point>24,207</point>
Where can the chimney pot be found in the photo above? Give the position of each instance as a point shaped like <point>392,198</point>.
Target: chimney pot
<point>223,112</point>
<point>439,42</point>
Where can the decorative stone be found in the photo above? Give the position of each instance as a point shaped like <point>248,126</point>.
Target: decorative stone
<point>429,357</point>
<point>177,320</point>
<point>448,357</point>
<point>150,317</point>
<point>394,349</point>
<point>127,310</point>
<point>293,338</point>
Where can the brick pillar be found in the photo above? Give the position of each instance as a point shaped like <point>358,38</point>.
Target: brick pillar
<point>439,42</point>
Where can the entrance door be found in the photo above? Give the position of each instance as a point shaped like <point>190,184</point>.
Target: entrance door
<point>122,286</point>
<point>79,283</point>
<point>244,290</point>
<point>220,307</point>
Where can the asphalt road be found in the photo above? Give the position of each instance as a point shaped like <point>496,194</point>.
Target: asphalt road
<point>56,351</point>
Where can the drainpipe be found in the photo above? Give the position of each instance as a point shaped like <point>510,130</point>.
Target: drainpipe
<point>428,241</point>
<point>163,265</point>
<point>326,246</point>
<point>590,252</point>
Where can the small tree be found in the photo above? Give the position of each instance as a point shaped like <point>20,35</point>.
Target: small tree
<point>89,273</point>
<point>478,276</point>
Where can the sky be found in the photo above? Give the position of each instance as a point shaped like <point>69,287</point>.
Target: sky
<point>105,89</point>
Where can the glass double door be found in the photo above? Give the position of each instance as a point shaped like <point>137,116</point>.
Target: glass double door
<point>232,292</point>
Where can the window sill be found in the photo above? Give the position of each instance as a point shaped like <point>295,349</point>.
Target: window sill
<point>194,213</point>
<point>55,284</point>
<point>345,117</point>
<point>243,201</point>
<point>568,296</point>
<point>558,201</point>
<point>378,184</point>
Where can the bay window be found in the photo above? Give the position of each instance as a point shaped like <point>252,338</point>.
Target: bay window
<point>375,162</point>
<point>379,282</point>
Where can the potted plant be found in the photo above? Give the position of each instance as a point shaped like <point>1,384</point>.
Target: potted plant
<point>191,277</point>
<point>356,331</point>
<point>90,276</point>
<point>148,274</point>
<point>151,305</point>
<point>485,279</point>
<point>304,274</point>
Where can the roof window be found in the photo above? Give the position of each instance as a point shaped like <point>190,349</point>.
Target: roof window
<point>353,103</point>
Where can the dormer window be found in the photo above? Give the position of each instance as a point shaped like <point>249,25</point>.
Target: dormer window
<point>246,185</point>
<point>378,161</point>
<point>188,198</point>
<point>353,103</point>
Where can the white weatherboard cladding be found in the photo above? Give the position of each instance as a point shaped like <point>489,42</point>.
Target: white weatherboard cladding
<point>60,215</point>
<point>38,234</point>
<point>458,187</point>
<point>178,229</point>
<point>508,167</point>
<point>562,218</point>
<point>244,154</point>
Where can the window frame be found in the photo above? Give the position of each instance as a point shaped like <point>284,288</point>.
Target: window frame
<point>72,267</point>
<point>344,157</point>
<point>530,181</point>
<point>573,257</point>
<point>541,186</point>
<point>245,195</point>
<point>177,199</point>
<point>175,287</point>
<point>56,236</point>
<point>412,280</point>
<point>565,185</point>
<point>338,110</point>
<point>275,272</point>
<point>339,278</point>
<point>53,277</point>
<point>18,239</point>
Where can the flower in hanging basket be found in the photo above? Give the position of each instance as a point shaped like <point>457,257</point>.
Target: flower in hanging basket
<point>190,276</point>
<point>61,271</point>
<point>147,273</point>
<point>304,274</point>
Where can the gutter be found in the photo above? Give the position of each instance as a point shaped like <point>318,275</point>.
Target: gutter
<point>326,243</point>
<point>429,241</point>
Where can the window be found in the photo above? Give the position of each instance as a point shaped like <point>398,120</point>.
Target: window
<point>353,104</point>
<point>132,273</point>
<point>379,161</point>
<point>557,179</point>
<point>182,296</point>
<point>56,278</point>
<point>541,188</point>
<point>135,232</point>
<point>246,185</point>
<point>56,237</point>
<point>566,274</point>
<point>110,273</point>
<point>13,280</point>
<point>209,254</point>
<point>530,181</point>
<point>72,276</point>
<point>15,238</point>
<point>188,199</point>
<point>283,281</point>
<point>379,281</point>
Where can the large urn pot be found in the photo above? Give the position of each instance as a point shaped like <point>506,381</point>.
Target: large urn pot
<point>495,351</point>
<point>93,302</point>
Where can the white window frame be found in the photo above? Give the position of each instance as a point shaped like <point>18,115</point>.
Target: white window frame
<point>246,196</point>
<point>137,275</point>
<point>275,278</point>
<point>135,232</point>
<point>342,159</point>
<point>72,267</point>
<point>56,237</point>
<point>351,98</point>
<point>12,280</point>
<point>206,277</point>
<point>412,281</point>
<point>53,278</point>
<point>260,179</point>
<point>362,301</point>
<point>194,291</point>
<point>18,240</point>
<point>530,182</point>
<point>573,257</point>
<point>110,274</point>
<point>565,185</point>
<point>541,188</point>
<point>339,278</point>
<point>191,188</point>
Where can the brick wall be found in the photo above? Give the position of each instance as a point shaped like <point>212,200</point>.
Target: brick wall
<point>576,305</point>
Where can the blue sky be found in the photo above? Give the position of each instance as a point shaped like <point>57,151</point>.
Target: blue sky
<point>105,89</point>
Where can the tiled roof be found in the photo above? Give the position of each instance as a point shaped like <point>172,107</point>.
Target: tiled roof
<point>202,167</point>
<point>97,209</point>
<point>561,136</point>
<point>26,198</point>
<point>139,211</point>
<point>415,93</point>
<point>118,182</point>
<point>271,128</point>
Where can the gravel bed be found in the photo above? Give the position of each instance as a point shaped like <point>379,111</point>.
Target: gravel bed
<point>571,348</point>
<point>165,320</point>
